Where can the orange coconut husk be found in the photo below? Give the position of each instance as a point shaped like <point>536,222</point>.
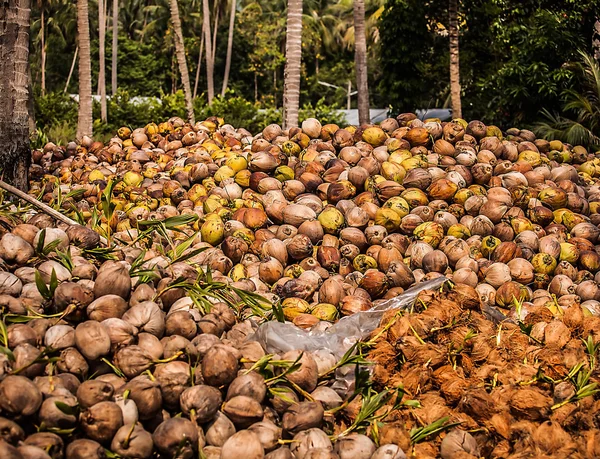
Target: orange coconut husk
<point>530,403</point>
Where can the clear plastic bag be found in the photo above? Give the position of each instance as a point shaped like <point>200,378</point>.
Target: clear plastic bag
<point>278,338</point>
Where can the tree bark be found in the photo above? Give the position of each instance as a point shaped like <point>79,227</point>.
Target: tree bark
<point>360,62</point>
<point>102,60</point>
<point>115,46</point>
<point>15,156</point>
<point>43,51</point>
<point>596,40</point>
<point>229,47</point>
<point>454,59</point>
<point>84,116</point>
<point>209,61</point>
<point>293,61</point>
<point>180,52</point>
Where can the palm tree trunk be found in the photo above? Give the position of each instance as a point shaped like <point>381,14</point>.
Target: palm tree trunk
<point>115,46</point>
<point>293,61</point>
<point>199,66</point>
<point>215,27</point>
<point>14,92</point>
<point>210,65</point>
<point>71,70</point>
<point>43,34</point>
<point>102,60</point>
<point>180,52</point>
<point>454,59</point>
<point>360,59</point>
<point>229,47</point>
<point>596,40</point>
<point>84,117</point>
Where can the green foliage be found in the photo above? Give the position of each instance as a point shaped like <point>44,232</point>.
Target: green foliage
<point>326,114</point>
<point>580,122</point>
<point>516,57</point>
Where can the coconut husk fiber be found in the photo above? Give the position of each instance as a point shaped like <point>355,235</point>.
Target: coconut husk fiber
<point>512,385</point>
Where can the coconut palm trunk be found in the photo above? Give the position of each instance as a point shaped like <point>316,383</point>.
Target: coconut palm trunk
<point>115,46</point>
<point>454,59</point>
<point>360,61</point>
<point>14,91</point>
<point>180,52</point>
<point>102,60</point>
<point>84,116</point>
<point>43,50</point>
<point>229,47</point>
<point>293,61</point>
<point>210,65</point>
<point>596,40</point>
<point>215,28</point>
<point>71,70</point>
<point>199,66</point>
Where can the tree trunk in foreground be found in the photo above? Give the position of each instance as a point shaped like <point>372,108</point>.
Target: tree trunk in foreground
<point>183,68</point>
<point>84,116</point>
<point>14,91</point>
<point>360,62</point>
<point>596,40</point>
<point>454,60</point>
<point>229,47</point>
<point>293,61</point>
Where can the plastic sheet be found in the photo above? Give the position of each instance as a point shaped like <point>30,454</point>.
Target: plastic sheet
<point>278,338</point>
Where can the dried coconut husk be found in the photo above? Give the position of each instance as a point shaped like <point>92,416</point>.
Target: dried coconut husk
<point>513,342</point>
<point>591,326</point>
<point>421,354</point>
<point>530,403</point>
<point>394,432</point>
<point>566,416</point>
<point>433,407</point>
<point>550,358</point>
<point>538,314</point>
<point>384,357</point>
<point>478,404</point>
<point>516,373</point>
<point>501,450</point>
<point>465,296</point>
<point>573,318</point>
<point>483,344</point>
<point>521,433</point>
<point>499,424</point>
<point>557,333</point>
<point>550,437</point>
<point>415,380</point>
<point>425,451</point>
<point>409,324</point>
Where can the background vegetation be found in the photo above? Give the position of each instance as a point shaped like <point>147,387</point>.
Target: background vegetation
<point>519,59</point>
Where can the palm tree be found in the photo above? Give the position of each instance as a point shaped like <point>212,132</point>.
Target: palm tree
<point>293,61</point>
<point>584,127</point>
<point>180,52</point>
<point>115,45</point>
<point>84,117</point>
<point>229,46</point>
<point>360,58</point>
<point>454,59</point>
<point>14,91</point>
<point>596,40</point>
<point>102,58</point>
<point>210,64</point>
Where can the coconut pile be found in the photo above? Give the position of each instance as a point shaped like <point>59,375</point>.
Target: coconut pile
<point>130,334</point>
